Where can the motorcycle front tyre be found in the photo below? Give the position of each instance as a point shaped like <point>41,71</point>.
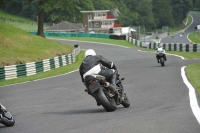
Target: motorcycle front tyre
<point>126,102</point>
<point>108,103</point>
<point>162,62</point>
<point>7,122</point>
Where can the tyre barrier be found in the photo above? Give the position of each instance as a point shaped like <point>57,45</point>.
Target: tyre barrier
<point>168,46</point>
<point>32,68</point>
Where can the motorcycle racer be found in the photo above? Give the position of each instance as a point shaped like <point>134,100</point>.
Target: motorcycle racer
<point>97,64</point>
<point>160,48</point>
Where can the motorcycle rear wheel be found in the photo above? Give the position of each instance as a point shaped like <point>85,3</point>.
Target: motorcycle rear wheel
<point>108,103</point>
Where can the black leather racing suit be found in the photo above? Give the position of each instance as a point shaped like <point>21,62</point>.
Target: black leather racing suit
<point>98,65</point>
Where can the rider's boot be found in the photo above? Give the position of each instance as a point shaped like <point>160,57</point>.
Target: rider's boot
<point>114,79</point>
<point>113,83</point>
<point>157,59</point>
<point>1,111</point>
<point>165,58</point>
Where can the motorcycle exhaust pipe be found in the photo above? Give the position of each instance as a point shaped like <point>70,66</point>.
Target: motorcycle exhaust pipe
<point>110,87</point>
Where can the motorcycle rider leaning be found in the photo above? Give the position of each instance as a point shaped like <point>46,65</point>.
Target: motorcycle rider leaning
<point>97,64</point>
<point>156,52</point>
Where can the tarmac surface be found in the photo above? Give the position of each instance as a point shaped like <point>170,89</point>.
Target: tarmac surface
<point>159,98</point>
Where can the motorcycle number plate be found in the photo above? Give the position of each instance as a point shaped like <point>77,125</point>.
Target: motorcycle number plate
<point>94,87</point>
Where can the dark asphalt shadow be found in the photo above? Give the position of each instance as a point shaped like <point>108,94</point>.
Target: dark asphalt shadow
<point>2,126</point>
<point>82,111</point>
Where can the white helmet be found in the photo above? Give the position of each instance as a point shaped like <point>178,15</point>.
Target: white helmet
<point>159,45</point>
<point>89,52</point>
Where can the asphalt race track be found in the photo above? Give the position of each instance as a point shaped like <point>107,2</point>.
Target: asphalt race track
<point>187,31</point>
<point>159,99</point>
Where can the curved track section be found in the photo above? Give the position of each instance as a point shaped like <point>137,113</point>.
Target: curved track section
<point>187,31</point>
<point>159,99</point>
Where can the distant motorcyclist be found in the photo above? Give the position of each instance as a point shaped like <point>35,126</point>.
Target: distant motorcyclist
<point>97,64</point>
<point>160,48</point>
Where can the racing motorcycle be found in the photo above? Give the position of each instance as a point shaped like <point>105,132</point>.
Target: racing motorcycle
<point>103,92</point>
<point>160,55</point>
<point>6,117</point>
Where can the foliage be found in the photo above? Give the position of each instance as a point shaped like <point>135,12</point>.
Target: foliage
<point>180,9</point>
<point>196,4</point>
<point>163,13</point>
<point>152,14</point>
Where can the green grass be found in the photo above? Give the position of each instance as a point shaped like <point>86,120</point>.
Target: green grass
<point>127,44</point>
<point>19,47</point>
<point>193,72</point>
<point>188,55</point>
<point>53,72</point>
<point>16,21</point>
<point>195,37</point>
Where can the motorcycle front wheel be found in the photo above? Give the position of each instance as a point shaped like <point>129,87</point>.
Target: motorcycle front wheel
<point>162,62</point>
<point>107,102</point>
<point>126,102</point>
<point>6,117</point>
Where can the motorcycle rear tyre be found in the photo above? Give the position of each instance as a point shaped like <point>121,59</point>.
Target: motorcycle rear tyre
<point>109,105</point>
<point>126,102</point>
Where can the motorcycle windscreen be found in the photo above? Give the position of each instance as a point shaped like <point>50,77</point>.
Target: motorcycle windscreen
<point>94,86</point>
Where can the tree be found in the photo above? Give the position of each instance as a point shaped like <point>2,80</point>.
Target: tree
<point>140,12</point>
<point>162,11</point>
<point>180,9</point>
<point>12,6</point>
<point>60,14</point>
<point>197,4</point>
<point>2,3</point>
<point>40,31</point>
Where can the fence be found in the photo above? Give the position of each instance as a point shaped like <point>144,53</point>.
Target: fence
<point>71,34</point>
<point>32,68</point>
<point>167,46</point>
<point>177,47</point>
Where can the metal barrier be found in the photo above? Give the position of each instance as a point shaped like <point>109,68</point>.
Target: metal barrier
<point>72,34</point>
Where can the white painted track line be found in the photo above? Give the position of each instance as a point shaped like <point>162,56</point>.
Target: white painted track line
<point>192,96</point>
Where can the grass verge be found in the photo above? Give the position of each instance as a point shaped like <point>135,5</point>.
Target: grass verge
<point>195,37</point>
<point>19,47</point>
<point>53,72</point>
<point>100,40</point>
<point>20,22</point>
<point>193,72</point>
